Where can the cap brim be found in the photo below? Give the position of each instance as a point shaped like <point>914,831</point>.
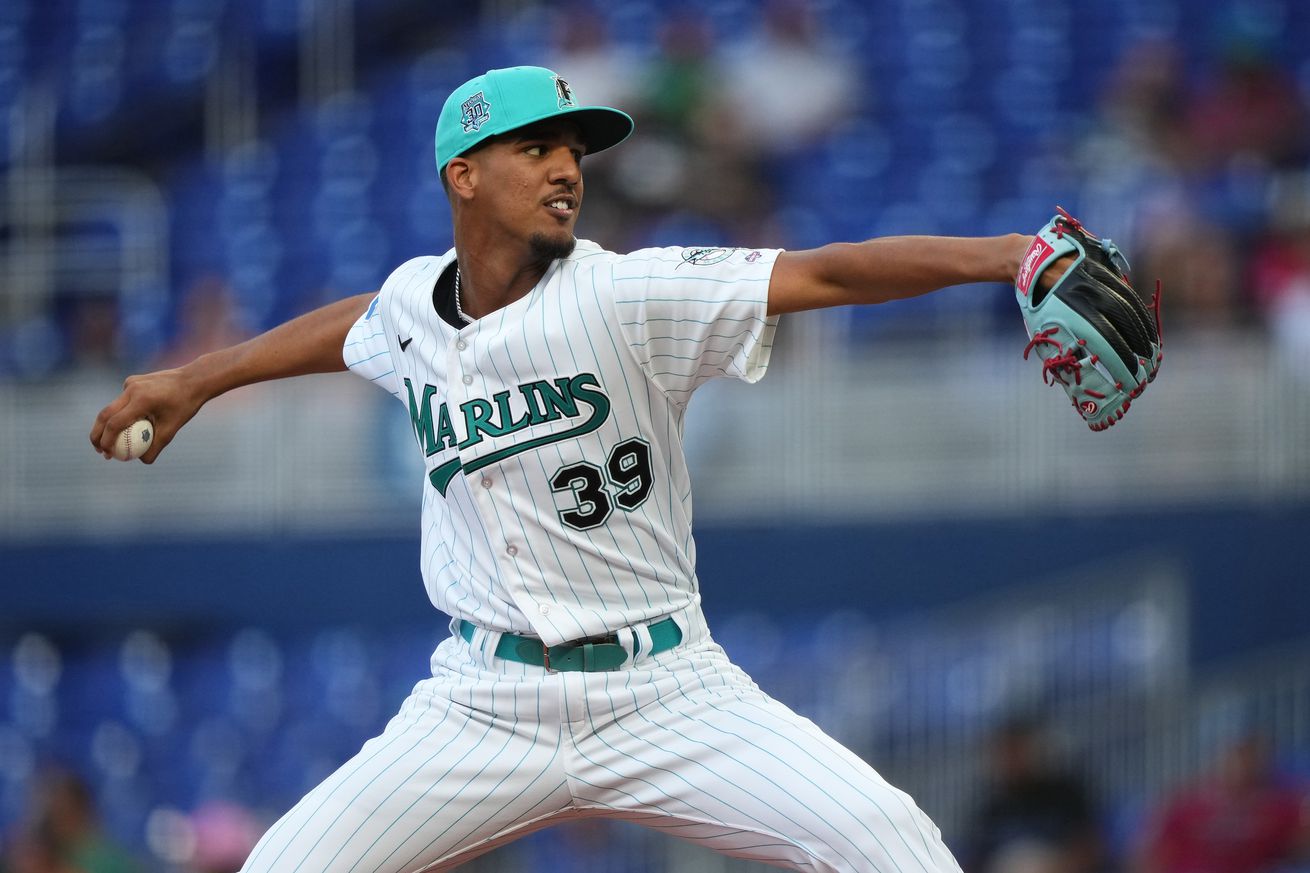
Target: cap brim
<point>602,127</point>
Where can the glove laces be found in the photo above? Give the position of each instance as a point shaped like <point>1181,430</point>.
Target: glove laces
<point>1073,223</point>
<point>1057,366</point>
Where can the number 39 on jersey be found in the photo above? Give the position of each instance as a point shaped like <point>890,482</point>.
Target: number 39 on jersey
<point>628,473</point>
<point>627,470</point>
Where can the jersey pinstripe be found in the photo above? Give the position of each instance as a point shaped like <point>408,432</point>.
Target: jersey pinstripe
<point>558,500</point>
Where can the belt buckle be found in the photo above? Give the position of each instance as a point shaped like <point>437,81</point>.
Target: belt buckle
<point>545,652</point>
<point>573,645</point>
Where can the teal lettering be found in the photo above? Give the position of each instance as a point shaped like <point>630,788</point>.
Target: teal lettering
<point>578,387</point>
<point>545,401</point>
<point>530,397</point>
<point>477,420</point>
<point>507,422</point>
<point>557,402</point>
<point>420,415</point>
<point>446,438</point>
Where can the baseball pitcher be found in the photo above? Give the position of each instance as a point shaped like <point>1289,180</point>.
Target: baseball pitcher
<point>546,381</point>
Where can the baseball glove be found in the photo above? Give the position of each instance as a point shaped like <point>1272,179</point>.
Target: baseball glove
<point>1091,329</point>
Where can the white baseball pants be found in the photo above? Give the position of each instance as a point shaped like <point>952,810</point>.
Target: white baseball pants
<point>487,751</point>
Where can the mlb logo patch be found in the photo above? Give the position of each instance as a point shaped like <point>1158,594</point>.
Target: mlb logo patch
<point>474,113</point>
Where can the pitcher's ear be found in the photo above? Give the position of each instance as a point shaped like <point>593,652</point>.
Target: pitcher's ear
<point>460,178</point>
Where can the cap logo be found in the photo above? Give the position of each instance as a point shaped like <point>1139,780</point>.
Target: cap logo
<point>474,113</point>
<point>564,92</point>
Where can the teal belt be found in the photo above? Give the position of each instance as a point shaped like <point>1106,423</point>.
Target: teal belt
<point>589,656</point>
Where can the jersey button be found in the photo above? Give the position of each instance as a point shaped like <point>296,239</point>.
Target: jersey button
<point>461,345</point>
<point>543,609</point>
<point>468,380</point>
<point>511,550</point>
<point>486,483</point>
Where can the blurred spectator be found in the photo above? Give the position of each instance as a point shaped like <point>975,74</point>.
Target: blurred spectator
<point>1249,109</point>
<point>32,850</point>
<point>1137,189</point>
<point>1196,259</point>
<point>208,320</point>
<point>1145,103</point>
<point>684,171</point>
<point>65,814</point>
<point>91,325</point>
<point>601,73</point>
<point>678,91</point>
<point>1243,818</point>
<point>225,833</point>
<point>1280,270</point>
<point>1035,817</point>
<point>1246,124</point>
<point>1186,177</point>
<point>786,87</point>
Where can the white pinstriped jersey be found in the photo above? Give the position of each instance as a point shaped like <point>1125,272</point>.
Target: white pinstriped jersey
<point>558,500</point>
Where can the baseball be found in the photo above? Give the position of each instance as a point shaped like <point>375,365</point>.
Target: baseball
<point>134,440</point>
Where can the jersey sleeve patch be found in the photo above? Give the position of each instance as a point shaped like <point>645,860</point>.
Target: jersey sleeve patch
<point>697,313</point>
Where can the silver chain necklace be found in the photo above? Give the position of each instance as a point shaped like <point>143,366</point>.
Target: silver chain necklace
<point>458,309</point>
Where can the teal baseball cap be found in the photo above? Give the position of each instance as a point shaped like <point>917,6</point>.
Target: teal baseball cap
<point>499,101</point>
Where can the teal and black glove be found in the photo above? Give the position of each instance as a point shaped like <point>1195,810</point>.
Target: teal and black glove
<point>1093,332</point>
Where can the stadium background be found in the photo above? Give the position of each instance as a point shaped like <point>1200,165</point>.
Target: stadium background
<point>893,538</point>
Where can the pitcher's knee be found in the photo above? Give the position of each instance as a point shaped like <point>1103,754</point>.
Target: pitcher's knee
<point>887,834</point>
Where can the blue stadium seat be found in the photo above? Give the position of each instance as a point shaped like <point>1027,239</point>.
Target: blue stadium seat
<point>277,19</point>
<point>13,60</point>
<point>853,27</point>
<point>964,141</point>
<point>18,761</point>
<point>94,84</point>
<point>202,679</point>
<point>360,256</point>
<point>806,226</point>
<point>429,78</point>
<point>90,12</point>
<point>189,51</point>
<point>953,194</point>
<point>36,662</point>
<point>635,24</point>
<point>15,13</point>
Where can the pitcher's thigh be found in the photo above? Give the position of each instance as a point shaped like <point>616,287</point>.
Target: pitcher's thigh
<point>746,776</point>
<point>439,781</point>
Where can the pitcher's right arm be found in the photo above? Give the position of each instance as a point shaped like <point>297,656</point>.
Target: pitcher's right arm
<point>311,343</point>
